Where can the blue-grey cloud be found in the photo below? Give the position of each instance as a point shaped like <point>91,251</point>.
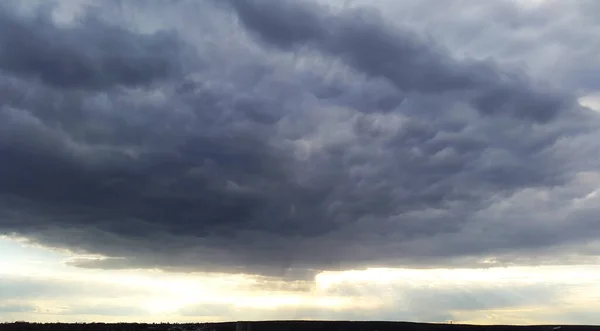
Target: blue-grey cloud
<point>89,55</point>
<point>289,135</point>
<point>553,41</point>
<point>364,41</point>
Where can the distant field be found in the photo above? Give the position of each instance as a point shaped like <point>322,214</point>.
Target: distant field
<point>283,326</point>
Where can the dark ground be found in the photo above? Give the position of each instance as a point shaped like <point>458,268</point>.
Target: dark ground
<point>284,326</point>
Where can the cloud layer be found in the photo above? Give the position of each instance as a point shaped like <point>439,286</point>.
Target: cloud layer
<point>257,136</point>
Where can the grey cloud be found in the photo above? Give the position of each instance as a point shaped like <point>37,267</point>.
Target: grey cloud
<point>360,38</point>
<point>585,316</point>
<point>24,288</point>
<point>292,284</point>
<point>262,160</point>
<point>402,300</point>
<point>553,41</point>
<point>376,48</point>
<point>17,308</point>
<point>456,297</point>
<point>89,55</point>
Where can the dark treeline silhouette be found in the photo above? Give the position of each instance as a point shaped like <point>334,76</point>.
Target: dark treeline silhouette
<point>283,326</point>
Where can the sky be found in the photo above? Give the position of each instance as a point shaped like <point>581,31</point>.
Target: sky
<point>212,160</point>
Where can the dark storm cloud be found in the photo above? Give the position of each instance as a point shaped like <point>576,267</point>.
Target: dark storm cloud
<point>365,145</point>
<point>90,54</point>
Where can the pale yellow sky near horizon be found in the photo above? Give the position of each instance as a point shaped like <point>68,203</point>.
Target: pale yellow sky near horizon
<point>38,286</point>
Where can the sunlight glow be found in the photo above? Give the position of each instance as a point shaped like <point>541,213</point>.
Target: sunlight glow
<point>591,101</point>
<point>163,295</point>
